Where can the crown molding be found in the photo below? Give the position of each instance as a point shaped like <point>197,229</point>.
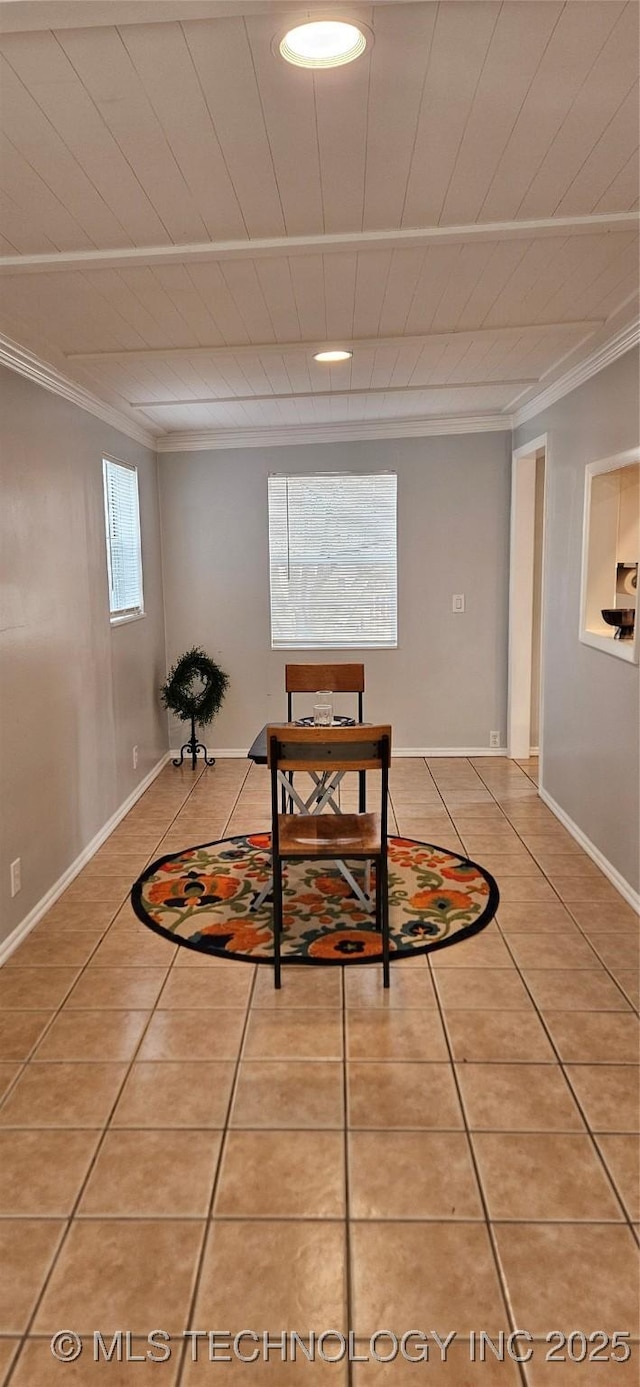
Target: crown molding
<point>623,341</point>
<point>25,363</point>
<point>323,243</point>
<point>204,440</point>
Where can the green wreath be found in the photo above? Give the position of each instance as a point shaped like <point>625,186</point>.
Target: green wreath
<point>195,687</point>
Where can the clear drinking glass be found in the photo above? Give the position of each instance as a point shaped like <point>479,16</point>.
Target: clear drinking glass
<point>323,709</point>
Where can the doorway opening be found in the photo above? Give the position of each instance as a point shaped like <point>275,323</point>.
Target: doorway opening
<point>526,582</point>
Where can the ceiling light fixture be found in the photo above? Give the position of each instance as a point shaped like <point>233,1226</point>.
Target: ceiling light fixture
<point>335,355</point>
<point>323,43</point>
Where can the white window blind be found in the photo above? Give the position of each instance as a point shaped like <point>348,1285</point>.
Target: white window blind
<point>333,561</point>
<point>122,516</point>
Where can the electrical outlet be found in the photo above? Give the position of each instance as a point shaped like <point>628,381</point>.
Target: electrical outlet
<point>16,876</point>
<point>457,602</point>
<point>135,758</point>
<point>494,739</point>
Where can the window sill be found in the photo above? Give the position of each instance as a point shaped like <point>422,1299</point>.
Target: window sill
<point>622,650</point>
<point>124,620</point>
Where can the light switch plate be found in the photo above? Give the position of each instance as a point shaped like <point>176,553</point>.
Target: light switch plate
<point>457,602</point>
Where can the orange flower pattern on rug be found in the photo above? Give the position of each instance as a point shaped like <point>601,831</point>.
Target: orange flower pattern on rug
<point>205,896</point>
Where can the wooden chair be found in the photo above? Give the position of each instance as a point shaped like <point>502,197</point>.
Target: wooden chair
<point>336,678</point>
<point>297,837</point>
<point>312,678</point>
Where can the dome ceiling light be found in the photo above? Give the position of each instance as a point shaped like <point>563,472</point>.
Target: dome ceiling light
<point>323,43</point>
<point>336,354</point>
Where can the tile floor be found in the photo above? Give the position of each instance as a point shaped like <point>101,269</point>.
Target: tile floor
<point>173,1145</point>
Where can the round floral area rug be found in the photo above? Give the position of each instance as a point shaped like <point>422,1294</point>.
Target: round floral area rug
<point>202,897</point>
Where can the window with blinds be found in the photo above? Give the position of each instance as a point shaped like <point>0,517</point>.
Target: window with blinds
<point>124,557</point>
<point>333,561</point>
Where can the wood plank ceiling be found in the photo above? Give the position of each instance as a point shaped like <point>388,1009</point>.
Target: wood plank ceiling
<point>185,218</point>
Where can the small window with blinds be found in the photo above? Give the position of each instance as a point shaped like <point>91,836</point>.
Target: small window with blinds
<point>124,556</point>
<point>333,561</point>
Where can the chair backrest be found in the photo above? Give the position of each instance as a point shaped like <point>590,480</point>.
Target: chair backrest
<point>312,678</point>
<point>329,749</point>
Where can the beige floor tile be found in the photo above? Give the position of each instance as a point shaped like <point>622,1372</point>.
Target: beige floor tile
<point>568,1374</point>
<point>394,1281</point>
<point>589,889</point>
<point>133,1273</point>
<point>543,1176</point>
<point>282,1175</point>
<point>191,991</point>
<point>617,951</point>
<point>175,1094</point>
<point>545,950</point>
<point>517,1098</point>
<point>484,950</point>
<point>8,1072</point>
<point>622,1156</point>
<point>375,1034</point>
<point>561,1276</point>
<point>38,1366</point>
<point>8,1351</point>
<point>273,1275</point>
<point>41,1172</point>
<point>152,1174</point>
<point>629,981</point>
<point>412,1096</point>
<point>20,1031</point>
<point>288,1035</point>
<point>195,958</point>
<point>507,1036</point>
<point>27,1249</point>
<point>289,1093</point>
<point>301,987</point>
<point>412,1175</point>
<point>271,1373</point>
<point>595,1036</point>
<point>63,1095</point>
<point>531,917</point>
<point>193,1035</point>
<point>583,989</point>
<point>609,1094</point>
<point>34,989</point>
<point>93,1035</point>
<point>122,989</point>
<point>520,889</point>
<point>452,1370</point>
<point>409,987</point>
<point>86,915</point>
<point>511,864</point>
<point>482,989</point>
<point>61,950</point>
<point>143,949</point>
<point>593,917</point>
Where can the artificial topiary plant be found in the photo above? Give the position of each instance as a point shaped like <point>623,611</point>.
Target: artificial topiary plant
<point>194,691</point>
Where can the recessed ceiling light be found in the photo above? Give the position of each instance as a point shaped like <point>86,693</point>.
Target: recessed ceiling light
<point>323,43</point>
<point>338,355</point>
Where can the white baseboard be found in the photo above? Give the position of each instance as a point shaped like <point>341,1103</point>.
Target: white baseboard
<point>615,877</point>
<point>44,904</point>
<point>236,753</point>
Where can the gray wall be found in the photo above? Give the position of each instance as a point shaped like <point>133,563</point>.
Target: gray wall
<point>75,694</point>
<point>590,698</point>
<point>445,685</point>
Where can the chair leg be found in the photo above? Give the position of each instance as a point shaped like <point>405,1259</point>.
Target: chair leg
<point>277,920</point>
<point>384,905</point>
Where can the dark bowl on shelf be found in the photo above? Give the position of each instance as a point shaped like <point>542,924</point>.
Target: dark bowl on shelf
<point>619,616</point>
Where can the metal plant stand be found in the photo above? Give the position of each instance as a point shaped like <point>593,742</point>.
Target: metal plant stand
<point>191,748</point>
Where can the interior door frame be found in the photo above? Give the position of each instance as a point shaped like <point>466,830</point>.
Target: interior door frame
<point>521,573</point>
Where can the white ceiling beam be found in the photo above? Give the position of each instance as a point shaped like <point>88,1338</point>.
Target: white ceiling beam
<point>406,238</point>
<point>333,394</point>
<point>251,350</point>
